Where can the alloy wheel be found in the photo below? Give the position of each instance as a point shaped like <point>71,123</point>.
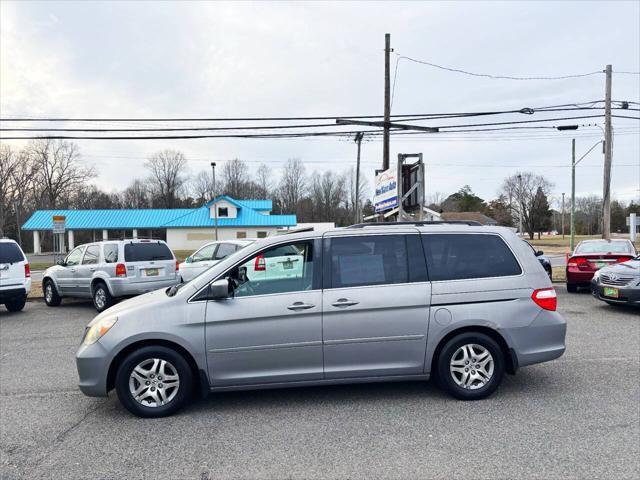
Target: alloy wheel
<point>471,366</point>
<point>48,293</point>
<point>154,382</point>
<point>100,298</point>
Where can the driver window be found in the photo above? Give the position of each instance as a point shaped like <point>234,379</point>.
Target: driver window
<point>205,253</point>
<point>74,257</point>
<point>281,269</point>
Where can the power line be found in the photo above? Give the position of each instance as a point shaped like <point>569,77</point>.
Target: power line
<point>492,76</point>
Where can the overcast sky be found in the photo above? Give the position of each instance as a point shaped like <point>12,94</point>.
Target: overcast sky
<point>128,59</point>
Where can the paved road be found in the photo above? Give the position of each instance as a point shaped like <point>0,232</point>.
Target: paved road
<point>577,417</point>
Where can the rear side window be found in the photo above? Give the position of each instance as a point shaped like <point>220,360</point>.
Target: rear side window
<point>10,253</point>
<point>110,252</point>
<point>144,252</point>
<point>456,257</point>
<point>368,260</point>
<point>91,255</point>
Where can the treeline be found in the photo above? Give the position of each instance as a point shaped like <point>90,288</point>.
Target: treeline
<point>49,174</point>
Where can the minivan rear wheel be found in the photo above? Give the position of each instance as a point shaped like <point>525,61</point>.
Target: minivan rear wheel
<point>154,381</point>
<point>471,366</point>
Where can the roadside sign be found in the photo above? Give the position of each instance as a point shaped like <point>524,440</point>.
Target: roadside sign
<point>59,223</point>
<point>386,196</point>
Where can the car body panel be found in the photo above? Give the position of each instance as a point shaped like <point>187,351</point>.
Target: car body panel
<point>618,284</point>
<point>14,284</point>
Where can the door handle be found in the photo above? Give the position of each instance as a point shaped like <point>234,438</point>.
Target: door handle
<point>92,269</point>
<point>73,269</point>
<point>300,306</point>
<point>344,302</point>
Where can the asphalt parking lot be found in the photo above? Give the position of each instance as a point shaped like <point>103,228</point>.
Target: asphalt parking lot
<point>577,417</point>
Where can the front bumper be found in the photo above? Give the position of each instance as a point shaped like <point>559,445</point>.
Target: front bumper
<point>627,295</point>
<point>540,341</point>
<point>124,287</point>
<point>92,362</point>
<point>8,294</point>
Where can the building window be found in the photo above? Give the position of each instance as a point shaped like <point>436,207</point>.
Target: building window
<point>223,212</point>
<point>262,234</point>
<point>241,234</point>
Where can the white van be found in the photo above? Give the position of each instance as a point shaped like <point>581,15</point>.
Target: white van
<point>15,275</point>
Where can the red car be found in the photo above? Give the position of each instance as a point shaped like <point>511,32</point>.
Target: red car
<point>591,255</point>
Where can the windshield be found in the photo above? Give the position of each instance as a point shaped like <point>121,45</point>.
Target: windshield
<point>604,247</point>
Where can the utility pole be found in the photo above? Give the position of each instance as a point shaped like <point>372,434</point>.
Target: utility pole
<point>563,215</point>
<point>608,150</point>
<point>521,203</point>
<point>387,103</point>
<point>215,207</point>
<point>573,193</point>
<point>358,140</point>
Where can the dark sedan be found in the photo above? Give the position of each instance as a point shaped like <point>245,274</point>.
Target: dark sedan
<point>619,283</point>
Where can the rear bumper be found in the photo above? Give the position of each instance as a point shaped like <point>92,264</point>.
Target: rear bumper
<point>627,295</point>
<point>540,341</point>
<point>8,294</point>
<point>124,287</point>
<point>576,276</point>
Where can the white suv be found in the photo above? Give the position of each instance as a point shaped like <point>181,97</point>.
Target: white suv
<point>15,275</point>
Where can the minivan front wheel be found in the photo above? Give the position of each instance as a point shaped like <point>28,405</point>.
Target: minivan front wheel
<point>471,366</point>
<point>154,381</point>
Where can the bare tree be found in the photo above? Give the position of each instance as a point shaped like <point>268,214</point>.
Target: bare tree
<point>525,192</point>
<point>292,185</point>
<point>353,197</point>
<point>136,195</point>
<point>8,162</point>
<point>168,170</point>
<point>264,182</point>
<point>202,186</point>
<point>236,179</point>
<point>59,171</point>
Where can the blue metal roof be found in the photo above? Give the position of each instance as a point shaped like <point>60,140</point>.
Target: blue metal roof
<point>248,216</point>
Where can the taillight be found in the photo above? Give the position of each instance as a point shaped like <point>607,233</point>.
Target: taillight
<point>623,259</point>
<point>177,265</point>
<point>260,265</point>
<point>27,270</point>
<point>121,270</point>
<point>576,261</point>
<point>545,298</point>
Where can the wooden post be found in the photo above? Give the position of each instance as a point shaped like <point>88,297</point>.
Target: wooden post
<point>608,151</point>
<point>387,103</point>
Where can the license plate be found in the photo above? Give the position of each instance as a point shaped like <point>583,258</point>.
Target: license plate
<point>151,272</point>
<point>600,264</point>
<point>610,292</point>
<point>288,265</point>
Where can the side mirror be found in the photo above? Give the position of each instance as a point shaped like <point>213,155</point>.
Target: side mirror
<point>62,263</point>
<point>219,289</point>
<point>188,260</point>
<point>539,253</point>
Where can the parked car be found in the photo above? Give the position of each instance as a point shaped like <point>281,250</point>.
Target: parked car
<point>618,284</point>
<point>543,259</point>
<point>208,255</point>
<point>15,275</point>
<point>362,306</point>
<point>591,255</point>
<point>109,270</point>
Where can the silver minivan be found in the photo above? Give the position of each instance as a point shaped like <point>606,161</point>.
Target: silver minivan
<point>108,270</point>
<point>463,304</point>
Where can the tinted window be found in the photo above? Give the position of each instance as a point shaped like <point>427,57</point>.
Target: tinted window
<point>10,253</point>
<point>275,271</point>
<point>144,252</point>
<point>110,252</point>
<point>224,250</point>
<point>604,247</point>
<point>370,260</point>
<point>74,257</point>
<point>455,257</point>
<point>205,253</point>
<point>262,234</point>
<point>91,255</point>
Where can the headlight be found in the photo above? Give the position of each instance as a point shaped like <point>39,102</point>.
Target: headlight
<point>98,329</point>
<point>596,275</point>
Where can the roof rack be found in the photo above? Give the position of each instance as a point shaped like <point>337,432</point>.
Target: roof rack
<point>471,223</point>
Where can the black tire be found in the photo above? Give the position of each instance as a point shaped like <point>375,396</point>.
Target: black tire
<point>572,288</point>
<point>101,297</point>
<point>445,377</point>
<point>54,299</point>
<point>16,304</point>
<point>182,396</point>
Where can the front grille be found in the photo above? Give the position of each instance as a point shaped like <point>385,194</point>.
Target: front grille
<point>617,280</point>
